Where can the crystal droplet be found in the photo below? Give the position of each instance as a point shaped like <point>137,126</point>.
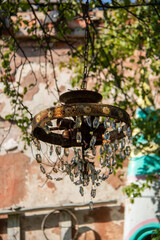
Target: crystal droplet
<point>58,150</point>
<point>51,150</point>
<point>110,170</point>
<point>81,190</point>
<point>101,160</point>
<point>46,129</point>
<point>104,177</point>
<point>66,152</point>
<point>94,151</point>
<point>128,150</point>
<point>106,135</point>
<point>129,132</point>
<point>113,125</point>
<point>107,123</point>
<point>114,161</point>
<point>42,169</point>
<point>130,139</point>
<point>89,122</point>
<point>38,158</point>
<point>54,169</point>
<point>110,151</point>
<point>78,122</point>
<point>119,127</point>
<point>115,146</point>
<point>49,123</point>
<point>49,176</point>
<point>96,122</point>
<point>36,143</point>
<point>122,144</point>
<point>93,141</point>
<point>93,192</point>
<point>105,146</point>
<point>108,164</point>
<point>125,129</point>
<point>122,155</point>
<point>78,182</point>
<point>91,205</point>
<point>101,150</point>
<point>71,177</point>
<point>79,137</point>
<point>58,179</point>
<point>62,165</point>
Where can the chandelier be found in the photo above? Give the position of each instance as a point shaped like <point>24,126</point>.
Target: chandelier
<point>78,131</point>
<point>83,128</point>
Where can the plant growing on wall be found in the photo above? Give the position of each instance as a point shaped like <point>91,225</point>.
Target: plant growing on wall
<point>123,60</point>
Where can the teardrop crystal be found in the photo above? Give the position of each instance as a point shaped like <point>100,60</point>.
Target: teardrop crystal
<point>106,135</point>
<point>119,127</point>
<point>129,132</point>
<point>51,150</point>
<point>110,170</point>
<point>58,150</point>
<point>93,141</point>
<point>94,151</point>
<point>66,152</point>
<point>128,150</point>
<point>88,120</point>
<point>96,122</point>
<point>107,123</point>
<point>123,144</point>
<point>78,122</point>
<point>93,192</point>
<point>81,190</point>
<point>79,137</point>
<point>113,125</point>
<point>38,158</point>
<point>104,177</point>
<point>91,205</point>
<point>101,150</point>
<point>42,169</point>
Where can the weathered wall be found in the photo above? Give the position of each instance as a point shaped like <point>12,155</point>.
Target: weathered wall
<point>22,184</point>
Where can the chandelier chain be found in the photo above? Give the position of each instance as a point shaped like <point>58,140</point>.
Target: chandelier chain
<point>85,8</point>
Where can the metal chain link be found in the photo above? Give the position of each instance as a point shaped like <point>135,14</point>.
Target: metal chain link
<point>86,49</point>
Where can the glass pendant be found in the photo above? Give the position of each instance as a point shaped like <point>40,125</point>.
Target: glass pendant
<point>128,150</point>
<point>58,150</point>
<point>96,122</point>
<point>106,135</point>
<point>79,137</point>
<point>119,127</point>
<point>107,123</point>
<point>81,190</point>
<point>89,122</point>
<point>110,170</point>
<point>113,125</point>
<point>51,150</point>
<point>104,176</point>
<point>66,152</point>
<point>78,122</point>
<point>93,192</point>
<point>93,141</point>
<point>101,150</point>
<point>94,151</point>
<point>42,169</point>
<point>38,158</point>
<point>123,144</point>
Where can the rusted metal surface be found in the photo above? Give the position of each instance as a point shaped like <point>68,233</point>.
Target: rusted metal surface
<point>68,137</point>
<point>80,96</point>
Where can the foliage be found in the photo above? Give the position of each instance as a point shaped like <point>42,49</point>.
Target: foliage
<point>123,60</point>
